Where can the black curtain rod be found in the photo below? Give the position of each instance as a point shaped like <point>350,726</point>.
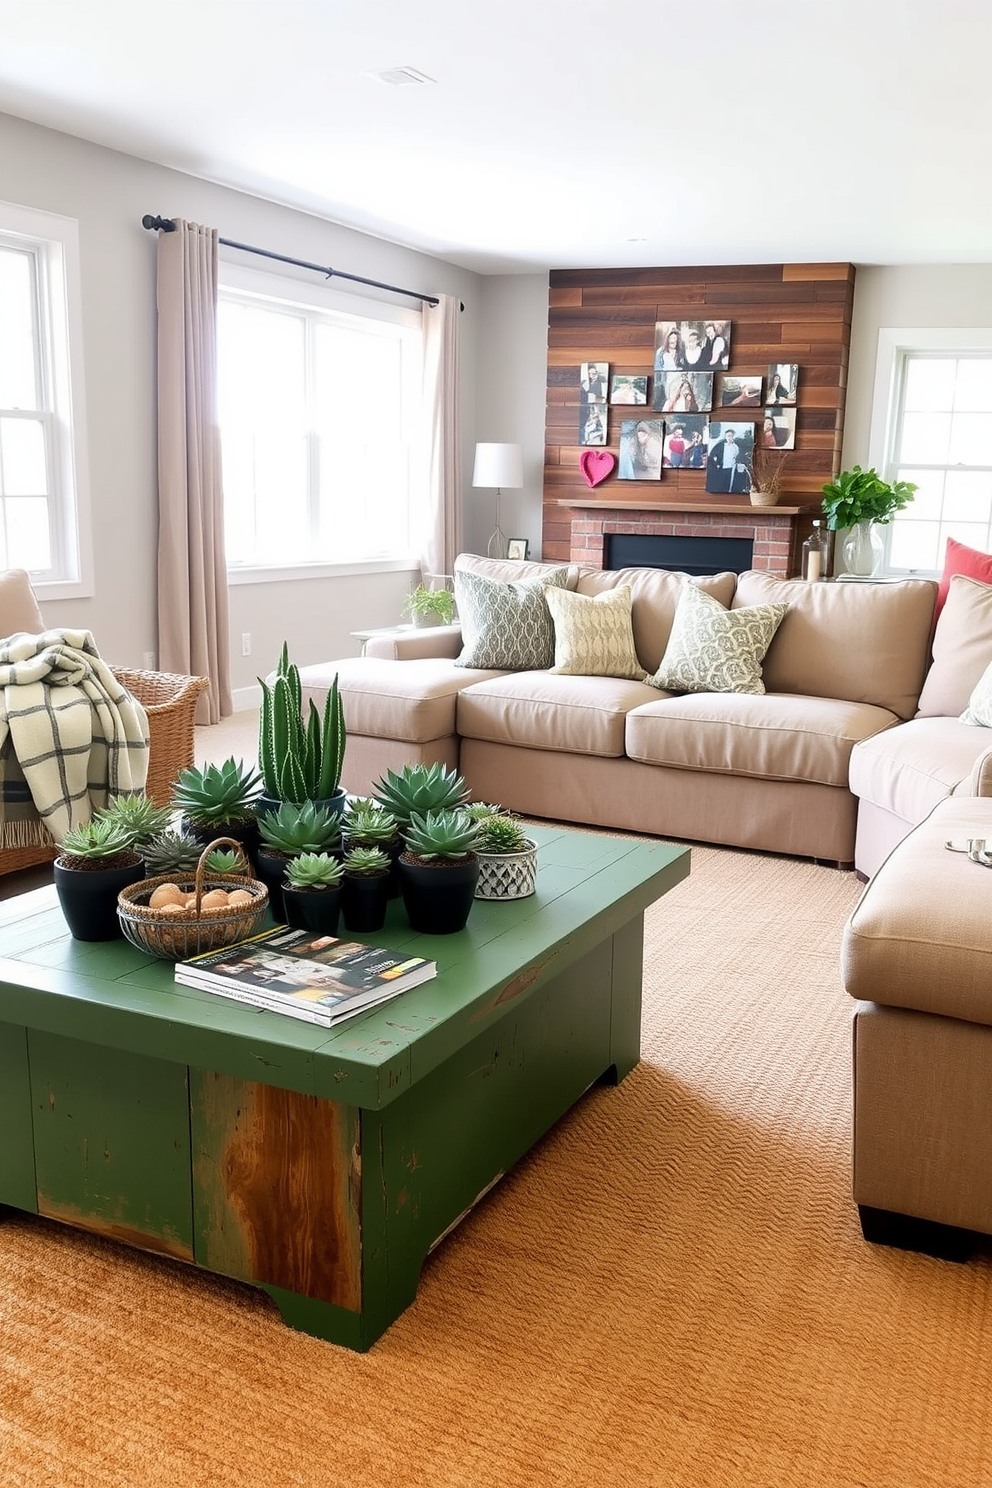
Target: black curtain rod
<point>165,224</point>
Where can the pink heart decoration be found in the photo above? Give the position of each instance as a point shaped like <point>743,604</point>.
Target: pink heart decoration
<point>596,465</point>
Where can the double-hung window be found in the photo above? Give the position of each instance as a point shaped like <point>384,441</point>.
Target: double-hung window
<point>42,457</point>
<point>319,406</point>
<point>939,436</point>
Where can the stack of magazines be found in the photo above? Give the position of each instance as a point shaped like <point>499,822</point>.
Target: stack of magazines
<point>315,977</point>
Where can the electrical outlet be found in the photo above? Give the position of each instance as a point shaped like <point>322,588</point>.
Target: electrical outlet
<point>246,643</point>
<point>149,661</point>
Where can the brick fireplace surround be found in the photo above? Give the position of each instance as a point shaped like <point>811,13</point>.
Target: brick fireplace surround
<point>777,533</point>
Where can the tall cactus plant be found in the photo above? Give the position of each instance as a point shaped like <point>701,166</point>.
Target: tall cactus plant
<point>299,761</point>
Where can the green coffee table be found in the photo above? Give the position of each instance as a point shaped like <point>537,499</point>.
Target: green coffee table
<point>320,1165</point>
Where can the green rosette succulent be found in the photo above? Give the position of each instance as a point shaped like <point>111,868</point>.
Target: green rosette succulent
<point>98,844</point>
<point>501,834</point>
<point>217,795</point>
<point>313,871</point>
<point>366,862</point>
<point>138,814</point>
<point>171,851</point>
<point>295,829</point>
<point>450,835</point>
<point>416,790</point>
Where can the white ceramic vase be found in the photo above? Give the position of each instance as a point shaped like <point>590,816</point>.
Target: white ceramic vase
<point>862,549</point>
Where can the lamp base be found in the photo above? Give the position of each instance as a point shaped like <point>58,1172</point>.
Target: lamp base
<point>498,546</point>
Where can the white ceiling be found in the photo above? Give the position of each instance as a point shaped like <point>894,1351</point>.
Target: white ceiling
<point>557,133</point>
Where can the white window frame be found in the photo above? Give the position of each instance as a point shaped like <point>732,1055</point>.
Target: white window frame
<point>894,343</point>
<point>282,289</point>
<point>54,241</point>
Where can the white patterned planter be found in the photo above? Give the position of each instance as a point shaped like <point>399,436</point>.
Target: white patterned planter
<point>507,875</point>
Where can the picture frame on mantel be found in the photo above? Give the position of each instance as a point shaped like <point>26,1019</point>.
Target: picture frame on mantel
<point>517,548</point>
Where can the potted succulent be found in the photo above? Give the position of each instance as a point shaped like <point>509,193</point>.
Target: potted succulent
<point>507,857</point>
<point>171,851</point>
<point>439,870</point>
<point>367,824</point>
<point>300,761</point>
<point>287,832</point>
<point>364,888</point>
<point>430,606</point>
<point>311,893</point>
<point>96,860</point>
<point>218,801</point>
<point>139,815</point>
<point>859,501</point>
<point>417,789</point>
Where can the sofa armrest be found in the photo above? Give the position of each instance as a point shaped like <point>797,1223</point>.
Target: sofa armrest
<point>411,645</point>
<point>980,783</point>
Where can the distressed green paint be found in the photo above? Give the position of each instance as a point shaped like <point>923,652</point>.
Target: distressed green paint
<point>17,1183</point>
<point>112,1142</point>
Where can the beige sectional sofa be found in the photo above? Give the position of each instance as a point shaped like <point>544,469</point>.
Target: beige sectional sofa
<point>781,771</point>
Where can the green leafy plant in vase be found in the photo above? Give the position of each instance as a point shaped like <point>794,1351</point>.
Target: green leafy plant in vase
<point>428,606</point>
<point>858,502</point>
<point>300,761</point>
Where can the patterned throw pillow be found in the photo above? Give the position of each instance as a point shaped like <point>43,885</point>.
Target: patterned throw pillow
<point>716,650</point>
<point>506,627</point>
<point>593,634</point>
<point>979,709</point>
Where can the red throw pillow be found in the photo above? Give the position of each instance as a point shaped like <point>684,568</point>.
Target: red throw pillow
<point>960,559</point>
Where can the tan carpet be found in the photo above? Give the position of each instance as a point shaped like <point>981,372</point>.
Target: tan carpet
<point>671,1290</point>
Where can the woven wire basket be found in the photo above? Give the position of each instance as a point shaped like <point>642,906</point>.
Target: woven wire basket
<point>191,932</point>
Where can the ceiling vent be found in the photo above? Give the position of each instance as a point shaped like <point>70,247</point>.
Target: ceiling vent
<point>399,77</point>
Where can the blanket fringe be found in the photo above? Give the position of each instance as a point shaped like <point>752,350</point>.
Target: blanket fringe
<point>25,834</point>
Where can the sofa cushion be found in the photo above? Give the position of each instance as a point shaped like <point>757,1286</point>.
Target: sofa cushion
<point>654,597</point>
<point>979,709</point>
<point>867,643</point>
<point>962,649</point>
<point>551,710</point>
<point>713,649</point>
<point>506,626</point>
<point>409,700</point>
<point>908,769</point>
<point>18,605</point>
<point>511,570</point>
<point>960,559</point>
<point>593,635</point>
<point>776,737</point>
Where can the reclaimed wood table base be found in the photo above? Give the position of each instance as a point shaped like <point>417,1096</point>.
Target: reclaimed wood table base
<point>320,1165</point>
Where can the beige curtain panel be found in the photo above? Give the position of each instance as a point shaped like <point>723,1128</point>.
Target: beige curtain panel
<point>193,623</point>
<point>442,405</point>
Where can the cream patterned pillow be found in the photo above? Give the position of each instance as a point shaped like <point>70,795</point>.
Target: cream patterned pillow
<point>506,627</point>
<point>716,650</point>
<point>593,634</point>
<point>979,709</point>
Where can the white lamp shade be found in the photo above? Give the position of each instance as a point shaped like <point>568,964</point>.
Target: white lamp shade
<point>499,465</point>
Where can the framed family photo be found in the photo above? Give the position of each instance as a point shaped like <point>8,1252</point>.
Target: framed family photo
<point>624,389</point>
<point>683,392</point>
<point>783,383</point>
<point>593,381</point>
<point>740,392</point>
<point>517,547</point>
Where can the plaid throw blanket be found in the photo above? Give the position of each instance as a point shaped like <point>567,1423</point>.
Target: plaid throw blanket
<point>71,737</point>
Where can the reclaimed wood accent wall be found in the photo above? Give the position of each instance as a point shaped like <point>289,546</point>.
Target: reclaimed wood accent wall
<point>780,312</point>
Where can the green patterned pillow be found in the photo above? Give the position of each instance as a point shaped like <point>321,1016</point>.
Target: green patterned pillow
<point>979,709</point>
<point>506,627</point>
<point>593,634</point>
<point>712,649</point>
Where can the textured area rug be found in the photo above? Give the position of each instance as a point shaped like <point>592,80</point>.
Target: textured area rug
<point>672,1289</point>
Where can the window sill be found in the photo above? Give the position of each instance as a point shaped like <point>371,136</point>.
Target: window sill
<point>294,572</point>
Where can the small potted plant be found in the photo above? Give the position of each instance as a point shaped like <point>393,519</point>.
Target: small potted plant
<point>364,888</point>
<point>860,501</point>
<point>439,870</point>
<point>286,833</point>
<point>300,761</point>
<point>96,860</point>
<point>417,789</point>
<point>139,815</point>
<point>171,851</point>
<point>428,606</point>
<point>507,857</point>
<point>218,801</point>
<point>366,824</point>
<point>311,893</point>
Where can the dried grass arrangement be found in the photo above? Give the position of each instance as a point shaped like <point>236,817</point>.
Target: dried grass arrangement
<point>766,473</point>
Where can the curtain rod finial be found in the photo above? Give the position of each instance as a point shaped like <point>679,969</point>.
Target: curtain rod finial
<point>158,224</point>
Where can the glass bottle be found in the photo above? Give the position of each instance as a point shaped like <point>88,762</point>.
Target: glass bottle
<point>815,555</point>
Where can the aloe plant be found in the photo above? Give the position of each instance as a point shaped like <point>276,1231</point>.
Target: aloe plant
<point>417,789</point>
<point>313,871</point>
<point>217,795</point>
<point>366,862</point>
<point>449,835</point>
<point>308,827</point>
<point>138,814</point>
<point>299,761</point>
<point>98,844</point>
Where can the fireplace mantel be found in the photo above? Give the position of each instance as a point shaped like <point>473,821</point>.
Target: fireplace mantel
<point>776,532</point>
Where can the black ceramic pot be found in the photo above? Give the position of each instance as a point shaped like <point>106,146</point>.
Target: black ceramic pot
<point>88,897</point>
<point>364,898</point>
<point>270,866</point>
<point>312,909</point>
<point>438,897</point>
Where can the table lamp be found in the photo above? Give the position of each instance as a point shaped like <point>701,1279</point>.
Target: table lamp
<point>496,466</point>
